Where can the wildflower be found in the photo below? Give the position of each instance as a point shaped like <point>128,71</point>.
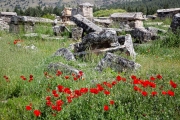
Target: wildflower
<point>99,87</point>
<point>94,90</point>
<point>159,76</point>
<point>81,73</point>
<point>164,92</point>
<point>111,102</point>
<point>133,77</point>
<point>58,73</point>
<point>53,91</point>
<point>136,88</point>
<point>28,107</point>
<point>84,90</point>
<point>37,113</point>
<point>48,103</point>
<point>59,102</point>
<point>48,97</point>
<point>66,77</point>
<point>56,95</point>
<point>22,77</point>
<point>114,83</point>
<point>58,108</point>
<point>154,93</point>
<point>144,93</point>
<point>75,78</point>
<point>106,107</point>
<point>173,84</point>
<point>123,79</point>
<point>67,90</point>
<point>60,88</point>
<point>106,92</point>
<point>5,77</point>
<point>170,93</point>
<point>118,78</point>
<point>152,78</point>
<point>53,107</point>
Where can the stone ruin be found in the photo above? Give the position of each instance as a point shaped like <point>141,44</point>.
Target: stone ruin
<point>4,25</point>
<point>117,63</point>
<point>175,24</point>
<point>85,24</point>
<point>27,23</point>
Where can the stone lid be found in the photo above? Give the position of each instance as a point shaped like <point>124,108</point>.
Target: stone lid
<point>167,10</point>
<point>86,4</point>
<point>129,15</point>
<point>8,13</point>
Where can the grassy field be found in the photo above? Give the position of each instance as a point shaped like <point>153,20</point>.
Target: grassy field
<point>28,91</point>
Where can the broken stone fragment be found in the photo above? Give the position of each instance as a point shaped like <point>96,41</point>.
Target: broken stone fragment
<point>175,24</point>
<point>67,54</point>
<point>141,34</point>
<point>77,33</point>
<point>117,63</point>
<point>66,69</point>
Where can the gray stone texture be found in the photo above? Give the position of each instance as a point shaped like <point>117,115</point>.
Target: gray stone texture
<point>117,63</point>
<point>175,24</point>
<point>86,24</point>
<point>67,54</point>
<point>141,34</point>
<point>77,33</point>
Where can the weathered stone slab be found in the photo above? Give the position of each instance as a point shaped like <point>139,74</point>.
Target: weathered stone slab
<point>59,29</point>
<point>77,33</point>
<point>94,40</point>
<point>175,24</point>
<point>141,34</point>
<point>86,24</point>
<point>62,67</point>
<point>67,54</point>
<point>117,63</point>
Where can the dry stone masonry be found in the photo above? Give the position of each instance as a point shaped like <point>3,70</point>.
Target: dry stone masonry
<point>67,54</point>
<point>77,33</point>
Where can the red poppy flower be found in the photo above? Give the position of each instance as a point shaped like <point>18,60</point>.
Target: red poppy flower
<point>106,107</point>
<point>114,83</point>
<point>81,73</point>
<point>144,93</point>
<point>151,84</point>
<point>123,79</point>
<point>99,87</point>
<point>106,92</point>
<point>37,113</point>
<point>154,93</point>
<point>69,100</point>
<point>53,107</point>
<point>111,102</point>
<point>48,97</point>
<point>94,90</point>
<point>173,84</point>
<point>159,76</point>
<point>84,90</point>
<point>54,92</point>
<point>118,78</point>
<point>152,78</point>
<point>75,78</point>
<point>136,88</point>
<point>48,103</point>
<point>56,95</point>
<point>28,107</point>
<point>58,73</point>
<point>66,77</point>
<point>30,76</point>
<point>60,88</point>
<point>58,108</point>
<point>164,92</point>
<point>133,77</point>
<point>170,93</point>
<point>67,90</point>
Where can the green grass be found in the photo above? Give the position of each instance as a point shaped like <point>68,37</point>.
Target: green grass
<point>107,13</point>
<point>155,58</point>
